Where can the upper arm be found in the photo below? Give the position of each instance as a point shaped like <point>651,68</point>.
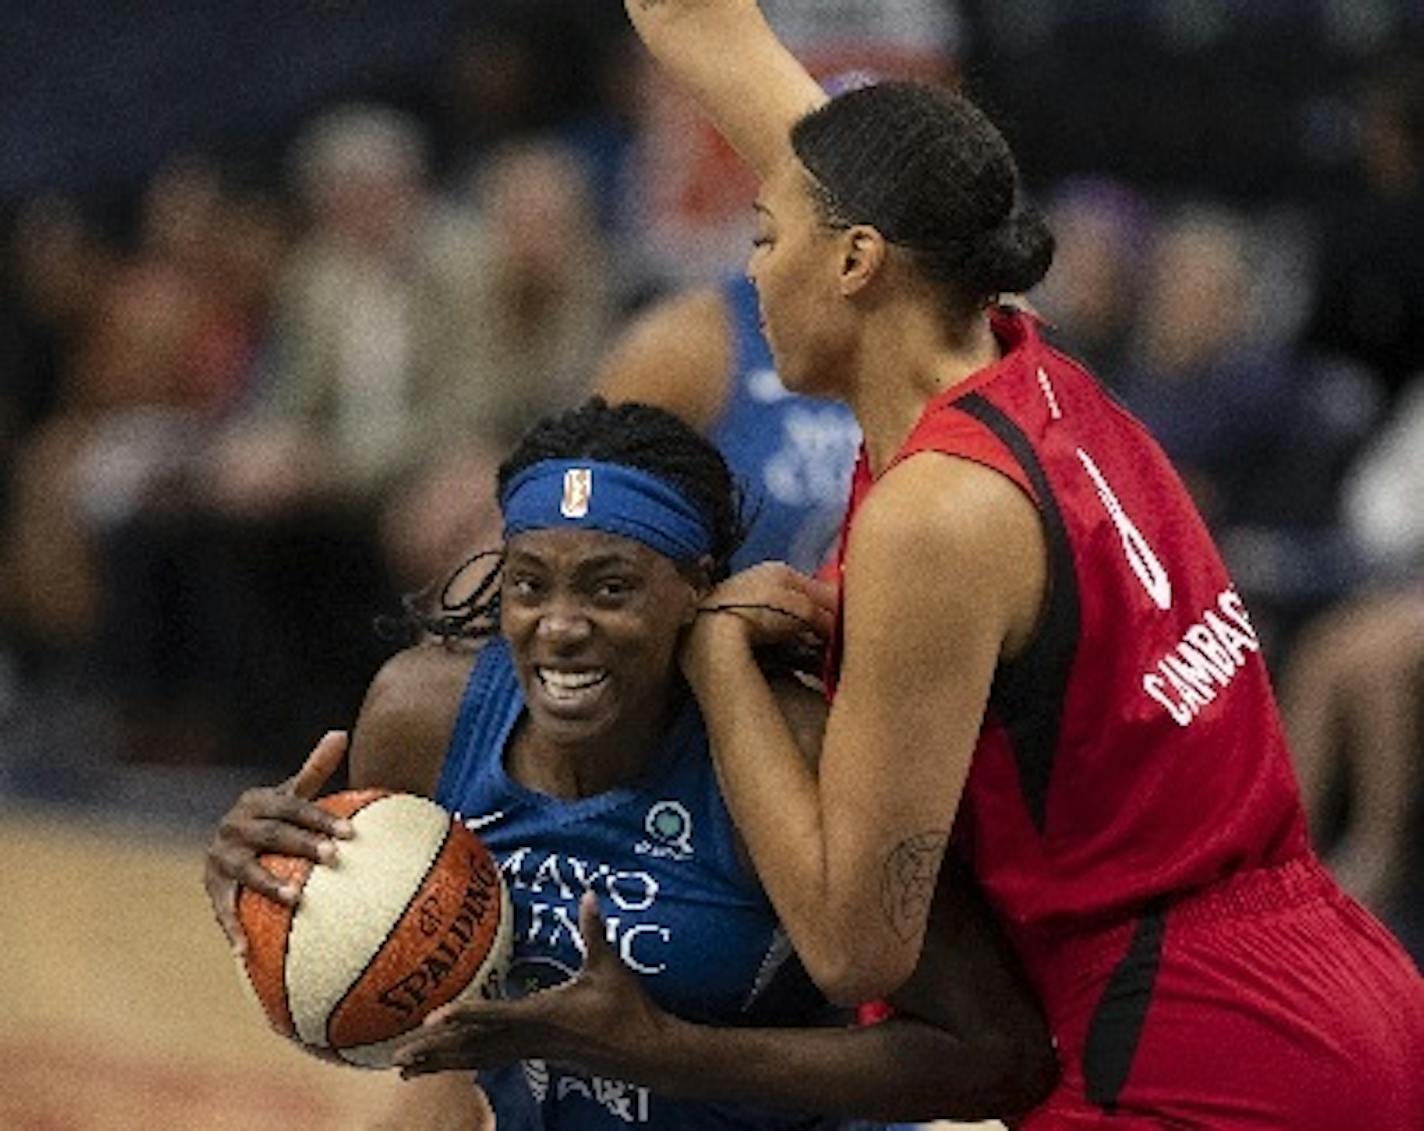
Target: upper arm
<point>408,718</point>
<point>921,649</point>
<point>726,56</point>
<point>677,355</point>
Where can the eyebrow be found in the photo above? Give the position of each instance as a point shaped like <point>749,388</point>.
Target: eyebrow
<point>761,209</point>
<point>587,566</point>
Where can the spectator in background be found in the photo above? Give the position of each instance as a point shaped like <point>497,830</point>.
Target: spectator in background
<point>515,69</point>
<point>56,268</point>
<point>411,324</point>
<point>1104,230</point>
<point>1260,435</point>
<point>162,347</point>
<point>366,329</point>
<point>1353,694</point>
<point>1193,374</point>
<point>547,291</point>
<point>1370,279</point>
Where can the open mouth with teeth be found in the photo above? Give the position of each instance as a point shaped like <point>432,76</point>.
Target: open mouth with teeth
<point>572,689</point>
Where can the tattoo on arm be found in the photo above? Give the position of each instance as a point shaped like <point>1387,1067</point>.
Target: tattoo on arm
<point>908,883</point>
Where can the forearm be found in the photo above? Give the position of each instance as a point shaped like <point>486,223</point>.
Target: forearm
<point>901,1069</point>
<point>780,809</point>
<point>723,53</point>
<point>771,792</point>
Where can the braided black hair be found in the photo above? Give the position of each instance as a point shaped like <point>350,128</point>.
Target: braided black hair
<point>932,174</point>
<point>635,435</point>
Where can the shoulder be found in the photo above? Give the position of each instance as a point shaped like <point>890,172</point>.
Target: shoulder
<point>982,533</point>
<point>946,499</point>
<point>408,717</point>
<point>677,355</point>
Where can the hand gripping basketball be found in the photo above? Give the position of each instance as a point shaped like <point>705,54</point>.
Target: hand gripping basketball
<point>273,819</point>
<point>413,916</point>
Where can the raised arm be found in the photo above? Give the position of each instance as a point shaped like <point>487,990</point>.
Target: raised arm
<point>725,55</point>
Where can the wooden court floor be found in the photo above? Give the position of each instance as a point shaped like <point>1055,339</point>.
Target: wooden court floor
<point>121,1007</point>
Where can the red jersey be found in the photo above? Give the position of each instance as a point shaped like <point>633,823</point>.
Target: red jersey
<point>1134,751</point>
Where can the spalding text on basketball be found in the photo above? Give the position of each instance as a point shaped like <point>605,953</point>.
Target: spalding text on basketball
<point>480,900</point>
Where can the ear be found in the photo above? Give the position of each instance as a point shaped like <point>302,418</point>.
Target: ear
<point>699,576</point>
<point>863,251</point>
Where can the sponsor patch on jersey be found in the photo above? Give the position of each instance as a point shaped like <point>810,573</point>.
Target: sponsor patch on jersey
<point>669,828</point>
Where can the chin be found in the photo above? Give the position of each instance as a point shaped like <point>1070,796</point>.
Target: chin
<point>568,730</point>
<point>790,374</point>
<point>805,383</point>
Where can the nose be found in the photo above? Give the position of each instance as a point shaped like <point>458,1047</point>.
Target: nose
<point>563,626</point>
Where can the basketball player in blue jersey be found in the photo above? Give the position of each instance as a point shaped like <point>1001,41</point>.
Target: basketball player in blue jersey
<point>552,717</point>
<point>701,355</point>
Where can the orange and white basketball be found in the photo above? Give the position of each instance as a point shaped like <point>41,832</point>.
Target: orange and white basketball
<point>412,915</point>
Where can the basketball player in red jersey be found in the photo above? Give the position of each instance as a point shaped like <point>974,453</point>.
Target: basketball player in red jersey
<point>1040,661</point>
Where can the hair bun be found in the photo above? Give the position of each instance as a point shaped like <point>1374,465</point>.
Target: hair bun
<point>1016,255</point>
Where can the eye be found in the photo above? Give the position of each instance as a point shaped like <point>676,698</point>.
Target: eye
<point>613,590</point>
<point>523,586</point>
<point>760,241</point>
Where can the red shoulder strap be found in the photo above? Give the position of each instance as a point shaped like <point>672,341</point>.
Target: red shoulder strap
<point>944,428</point>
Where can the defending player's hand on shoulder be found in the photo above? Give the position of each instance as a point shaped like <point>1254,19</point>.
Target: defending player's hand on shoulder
<point>281,819</point>
<point>768,605</point>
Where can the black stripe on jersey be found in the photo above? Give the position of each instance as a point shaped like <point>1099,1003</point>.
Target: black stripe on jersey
<point>1116,1027</point>
<point>1028,692</point>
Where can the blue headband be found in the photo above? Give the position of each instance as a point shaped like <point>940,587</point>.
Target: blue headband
<point>614,498</point>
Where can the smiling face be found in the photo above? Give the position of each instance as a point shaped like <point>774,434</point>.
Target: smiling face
<point>795,266</point>
<point>593,621</point>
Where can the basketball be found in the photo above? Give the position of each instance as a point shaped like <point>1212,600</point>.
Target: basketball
<point>413,914</point>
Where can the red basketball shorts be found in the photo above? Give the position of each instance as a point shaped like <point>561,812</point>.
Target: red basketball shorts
<point>1270,1001</point>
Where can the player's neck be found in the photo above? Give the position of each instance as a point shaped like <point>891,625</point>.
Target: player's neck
<point>904,363</point>
<point>575,767</point>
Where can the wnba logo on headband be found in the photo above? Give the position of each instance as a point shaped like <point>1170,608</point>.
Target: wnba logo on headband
<point>578,492</point>
<point>630,502</point>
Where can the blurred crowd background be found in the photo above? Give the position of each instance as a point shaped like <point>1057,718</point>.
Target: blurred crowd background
<point>280,281</point>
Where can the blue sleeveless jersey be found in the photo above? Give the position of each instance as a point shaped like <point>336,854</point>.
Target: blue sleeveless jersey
<point>793,455</point>
<point>681,909</point>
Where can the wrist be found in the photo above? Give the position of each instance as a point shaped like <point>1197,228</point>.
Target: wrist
<point>715,640</point>
<point>674,1059</point>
